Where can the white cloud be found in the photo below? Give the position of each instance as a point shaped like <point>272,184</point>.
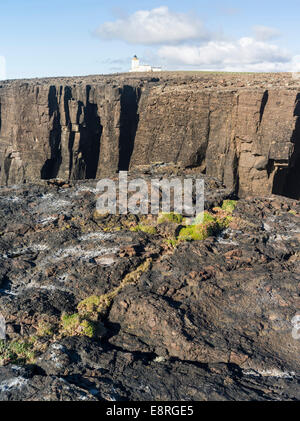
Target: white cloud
<point>295,67</point>
<point>265,33</point>
<point>246,54</point>
<point>2,68</point>
<point>156,26</point>
<point>181,41</point>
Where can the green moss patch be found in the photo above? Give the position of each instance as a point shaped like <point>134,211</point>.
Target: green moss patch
<point>16,352</point>
<point>207,224</point>
<point>200,230</point>
<point>170,217</point>
<point>96,306</point>
<point>148,229</point>
<point>75,325</point>
<point>229,205</point>
<point>45,329</point>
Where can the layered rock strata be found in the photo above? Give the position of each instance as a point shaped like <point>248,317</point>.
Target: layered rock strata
<point>241,129</point>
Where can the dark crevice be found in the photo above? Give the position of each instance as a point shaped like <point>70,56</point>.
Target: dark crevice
<point>51,167</point>
<point>7,165</point>
<point>236,177</point>
<point>270,167</point>
<point>264,102</point>
<point>128,125</point>
<point>67,98</point>
<point>5,285</point>
<point>70,148</point>
<point>198,158</point>
<point>91,387</point>
<point>280,181</point>
<point>84,163</point>
<point>293,176</point>
<point>90,136</point>
<point>52,101</point>
<point>287,179</point>
<point>146,357</point>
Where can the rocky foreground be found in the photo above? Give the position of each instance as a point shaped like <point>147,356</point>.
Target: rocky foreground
<point>118,308</point>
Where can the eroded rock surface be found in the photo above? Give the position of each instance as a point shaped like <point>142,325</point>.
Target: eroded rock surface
<point>241,129</point>
<point>203,320</point>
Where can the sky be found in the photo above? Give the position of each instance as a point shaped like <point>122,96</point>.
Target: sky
<point>84,37</point>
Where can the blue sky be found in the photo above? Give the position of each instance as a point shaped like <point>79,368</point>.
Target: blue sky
<point>81,37</point>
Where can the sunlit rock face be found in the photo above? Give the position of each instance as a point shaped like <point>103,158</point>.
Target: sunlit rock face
<point>241,129</point>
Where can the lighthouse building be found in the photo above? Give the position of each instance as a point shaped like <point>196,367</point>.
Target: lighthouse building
<point>137,67</point>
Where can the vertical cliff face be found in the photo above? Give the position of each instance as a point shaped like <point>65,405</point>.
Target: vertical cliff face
<point>247,136</point>
<point>249,139</point>
<point>68,132</point>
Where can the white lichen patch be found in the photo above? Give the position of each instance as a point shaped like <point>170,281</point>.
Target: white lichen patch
<point>13,199</point>
<point>159,360</point>
<point>39,247</point>
<point>47,196</point>
<point>14,383</point>
<point>266,227</point>
<point>25,250</point>
<point>275,238</point>
<point>63,278</point>
<point>106,260</point>
<point>50,203</point>
<point>79,253</point>
<point>7,292</point>
<point>221,240</point>
<point>48,287</point>
<point>226,238</point>
<point>60,204</point>
<point>273,372</point>
<point>83,189</point>
<point>98,235</point>
<point>55,354</point>
<point>46,221</point>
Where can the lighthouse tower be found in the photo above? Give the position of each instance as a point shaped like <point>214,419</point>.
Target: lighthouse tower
<point>137,67</point>
<point>135,64</point>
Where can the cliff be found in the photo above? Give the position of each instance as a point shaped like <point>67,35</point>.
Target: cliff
<point>241,129</point>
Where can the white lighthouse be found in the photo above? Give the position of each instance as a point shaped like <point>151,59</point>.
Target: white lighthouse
<point>135,64</point>
<point>137,67</point>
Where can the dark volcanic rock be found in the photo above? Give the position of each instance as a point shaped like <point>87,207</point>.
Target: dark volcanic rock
<point>205,320</point>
